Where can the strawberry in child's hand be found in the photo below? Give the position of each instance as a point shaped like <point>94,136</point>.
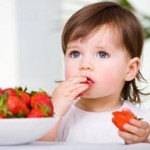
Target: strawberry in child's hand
<point>122,117</point>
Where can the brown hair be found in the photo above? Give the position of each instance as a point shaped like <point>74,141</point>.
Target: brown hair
<point>84,21</point>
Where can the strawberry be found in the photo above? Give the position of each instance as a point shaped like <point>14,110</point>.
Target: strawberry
<point>1,91</point>
<point>17,102</point>
<point>42,99</point>
<point>39,111</point>
<point>122,117</point>
<point>23,95</point>
<point>2,115</point>
<point>36,113</point>
<point>16,106</point>
<point>10,91</point>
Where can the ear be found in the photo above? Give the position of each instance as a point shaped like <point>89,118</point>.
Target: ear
<point>133,68</point>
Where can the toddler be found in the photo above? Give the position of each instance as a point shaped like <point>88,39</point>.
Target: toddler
<point>102,45</point>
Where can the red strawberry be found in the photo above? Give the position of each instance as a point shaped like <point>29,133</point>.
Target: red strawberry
<point>25,97</point>
<point>16,106</point>
<point>1,91</point>
<point>122,117</point>
<point>40,111</point>
<point>2,116</point>
<point>42,99</point>
<point>10,91</point>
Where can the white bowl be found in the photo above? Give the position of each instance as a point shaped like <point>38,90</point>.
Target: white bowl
<point>24,130</point>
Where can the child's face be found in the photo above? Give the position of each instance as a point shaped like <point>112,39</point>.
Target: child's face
<point>100,58</point>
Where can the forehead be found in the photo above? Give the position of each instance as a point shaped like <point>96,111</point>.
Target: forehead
<point>105,34</point>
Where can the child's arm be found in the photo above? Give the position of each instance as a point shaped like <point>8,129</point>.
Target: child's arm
<point>138,132</point>
<point>64,95</point>
<point>62,98</point>
<point>52,134</point>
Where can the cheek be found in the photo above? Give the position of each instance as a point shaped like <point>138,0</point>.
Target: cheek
<point>69,71</point>
<point>112,78</point>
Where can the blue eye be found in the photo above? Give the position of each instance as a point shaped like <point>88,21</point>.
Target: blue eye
<point>74,54</point>
<point>102,54</point>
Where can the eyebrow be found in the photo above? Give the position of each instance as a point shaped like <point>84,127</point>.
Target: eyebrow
<point>105,47</point>
<point>73,46</point>
<point>100,47</point>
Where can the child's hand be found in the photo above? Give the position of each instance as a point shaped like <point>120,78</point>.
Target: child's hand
<point>138,131</point>
<point>66,92</point>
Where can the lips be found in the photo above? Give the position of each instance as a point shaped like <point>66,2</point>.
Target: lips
<point>89,81</point>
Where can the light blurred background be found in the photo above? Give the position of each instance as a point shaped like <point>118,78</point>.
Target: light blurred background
<point>30,41</point>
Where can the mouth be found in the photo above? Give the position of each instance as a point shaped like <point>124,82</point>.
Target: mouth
<point>89,81</point>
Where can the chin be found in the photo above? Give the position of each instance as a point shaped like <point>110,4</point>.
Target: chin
<point>87,96</point>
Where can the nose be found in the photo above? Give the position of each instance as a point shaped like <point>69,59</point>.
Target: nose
<point>86,64</point>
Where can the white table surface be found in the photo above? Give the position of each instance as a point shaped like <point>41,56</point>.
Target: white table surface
<point>75,146</point>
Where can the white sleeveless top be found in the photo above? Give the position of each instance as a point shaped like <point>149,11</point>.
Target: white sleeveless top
<point>94,127</point>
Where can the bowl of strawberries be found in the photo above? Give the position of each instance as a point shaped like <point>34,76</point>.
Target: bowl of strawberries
<point>24,116</point>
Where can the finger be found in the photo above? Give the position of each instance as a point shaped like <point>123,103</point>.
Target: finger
<point>129,142</point>
<point>72,92</point>
<point>139,123</point>
<point>71,82</point>
<point>76,79</point>
<point>138,127</point>
<point>128,137</point>
<point>134,130</point>
<point>79,90</point>
<point>69,92</point>
<point>75,87</point>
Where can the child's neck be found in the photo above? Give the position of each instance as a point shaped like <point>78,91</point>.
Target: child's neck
<point>99,105</point>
